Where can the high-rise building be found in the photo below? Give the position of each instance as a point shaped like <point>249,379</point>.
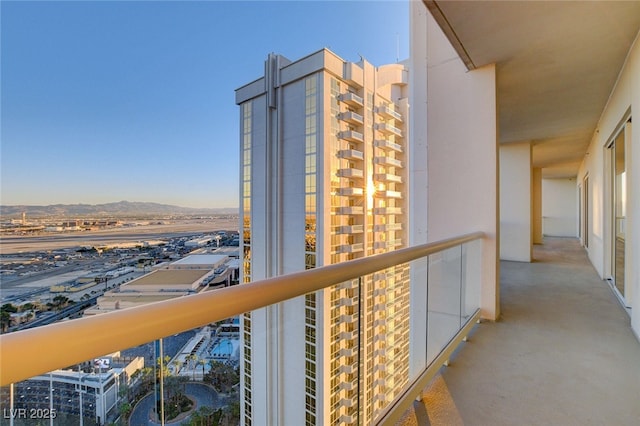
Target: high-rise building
<point>323,180</point>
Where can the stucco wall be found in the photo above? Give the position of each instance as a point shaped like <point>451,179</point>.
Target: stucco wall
<point>456,110</point>
<point>623,102</point>
<point>559,207</point>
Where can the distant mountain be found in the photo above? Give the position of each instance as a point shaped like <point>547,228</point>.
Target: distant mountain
<point>119,209</point>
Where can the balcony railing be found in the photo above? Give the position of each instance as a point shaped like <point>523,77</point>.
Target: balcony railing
<point>351,229</point>
<point>387,210</point>
<point>350,191</point>
<point>388,227</point>
<point>387,244</point>
<point>351,154</point>
<point>350,248</point>
<point>351,135</point>
<point>387,177</point>
<point>388,112</point>
<point>387,161</point>
<point>387,145</point>
<point>350,210</point>
<point>351,117</point>
<point>449,272</point>
<point>351,173</point>
<point>389,194</point>
<point>351,99</point>
<point>388,129</point>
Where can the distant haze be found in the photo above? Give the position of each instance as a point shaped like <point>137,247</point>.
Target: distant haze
<point>119,209</point>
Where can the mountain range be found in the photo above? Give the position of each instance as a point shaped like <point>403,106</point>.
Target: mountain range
<point>118,209</point>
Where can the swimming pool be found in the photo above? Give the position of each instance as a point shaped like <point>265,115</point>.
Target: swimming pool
<point>225,348</point>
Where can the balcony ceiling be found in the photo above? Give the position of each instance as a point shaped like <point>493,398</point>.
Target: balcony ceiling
<point>556,64</point>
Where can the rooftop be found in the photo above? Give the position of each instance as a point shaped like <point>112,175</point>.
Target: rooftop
<point>201,259</point>
<point>169,277</point>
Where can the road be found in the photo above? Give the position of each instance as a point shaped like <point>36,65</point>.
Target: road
<point>203,395</point>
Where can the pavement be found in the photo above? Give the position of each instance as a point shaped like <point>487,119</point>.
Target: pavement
<point>563,353</point>
<point>204,395</point>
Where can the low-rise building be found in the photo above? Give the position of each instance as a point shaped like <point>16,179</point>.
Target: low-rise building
<point>69,394</point>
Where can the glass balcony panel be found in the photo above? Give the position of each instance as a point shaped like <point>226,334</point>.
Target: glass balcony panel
<point>196,372</point>
<point>471,278</point>
<point>444,293</point>
<point>120,386</point>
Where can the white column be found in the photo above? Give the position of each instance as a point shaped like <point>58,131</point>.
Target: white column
<point>515,202</point>
<point>462,163</point>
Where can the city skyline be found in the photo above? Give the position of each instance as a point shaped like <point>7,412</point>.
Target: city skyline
<point>105,101</point>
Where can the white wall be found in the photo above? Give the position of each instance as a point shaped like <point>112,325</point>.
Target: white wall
<point>559,207</point>
<point>536,207</point>
<point>460,149</point>
<point>515,202</point>
<point>625,98</point>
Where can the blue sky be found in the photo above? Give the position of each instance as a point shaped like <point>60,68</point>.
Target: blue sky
<point>118,100</point>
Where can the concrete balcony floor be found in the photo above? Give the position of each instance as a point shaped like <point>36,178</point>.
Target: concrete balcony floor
<point>563,353</point>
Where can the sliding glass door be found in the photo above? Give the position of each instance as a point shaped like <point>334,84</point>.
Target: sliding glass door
<point>618,211</point>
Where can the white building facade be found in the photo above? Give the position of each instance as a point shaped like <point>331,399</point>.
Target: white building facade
<point>323,180</point>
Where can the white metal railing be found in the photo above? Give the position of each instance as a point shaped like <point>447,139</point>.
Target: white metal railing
<point>351,99</point>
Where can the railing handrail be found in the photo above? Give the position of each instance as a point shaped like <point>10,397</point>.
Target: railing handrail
<point>28,353</point>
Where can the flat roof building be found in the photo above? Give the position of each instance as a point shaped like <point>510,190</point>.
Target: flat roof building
<point>94,396</point>
<point>155,286</point>
<point>199,261</point>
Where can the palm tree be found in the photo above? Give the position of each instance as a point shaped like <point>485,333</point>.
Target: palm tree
<point>5,320</point>
<point>202,362</point>
<point>192,360</point>
<point>176,366</point>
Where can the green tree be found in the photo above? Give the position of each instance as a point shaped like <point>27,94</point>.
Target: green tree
<point>192,358</point>
<point>164,365</point>
<point>8,307</point>
<point>125,409</point>
<point>59,302</point>
<point>222,376</point>
<point>5,320</point>
<point>5,315</point>
<point>176,365</point>
<point>231,414</point>
<point>202,362</point>
<point>27,307</point>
